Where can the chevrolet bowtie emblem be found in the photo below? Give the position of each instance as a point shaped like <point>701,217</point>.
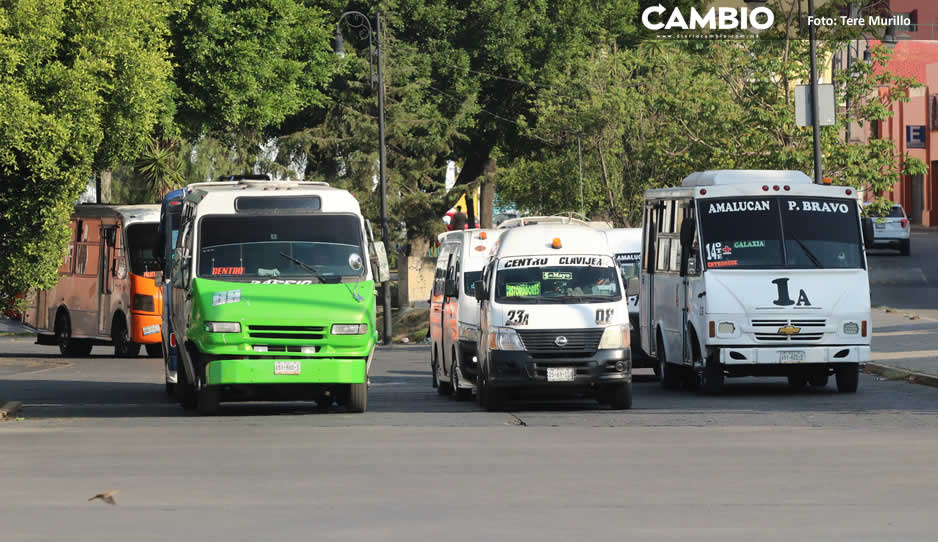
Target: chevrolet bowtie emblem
<point>789,330</point>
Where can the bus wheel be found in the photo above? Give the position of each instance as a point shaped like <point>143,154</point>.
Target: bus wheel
<point>669,374</point>
<point>358,397</point>
<point>208,400</point>
<point>848,377</point>
<point>154,350</point>
<point>120,336</point>
<point>184,390</point>
<point>712,377</point>
<point>63,335</point>
<point>620,396</point>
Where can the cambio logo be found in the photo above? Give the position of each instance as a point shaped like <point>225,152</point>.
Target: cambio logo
<point>723,18</point>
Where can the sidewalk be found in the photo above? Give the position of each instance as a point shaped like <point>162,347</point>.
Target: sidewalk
<point>904,348</point>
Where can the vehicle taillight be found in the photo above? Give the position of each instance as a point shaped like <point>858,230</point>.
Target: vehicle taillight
<point>905,223</point>
<point>172,340</point>
<point>142,302</point>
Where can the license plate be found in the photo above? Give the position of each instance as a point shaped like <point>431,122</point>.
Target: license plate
<point>560,374</point>
<point>286,367</point>
<point>880,226</point>
<point>150,330</point>
<point>790,357</point>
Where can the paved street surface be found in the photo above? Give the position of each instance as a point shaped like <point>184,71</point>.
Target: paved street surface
<point>759,462</point>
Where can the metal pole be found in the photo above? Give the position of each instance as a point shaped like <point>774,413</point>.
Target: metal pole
<point>579,151</point>
<point>815,116</point>
<point>383,179</point>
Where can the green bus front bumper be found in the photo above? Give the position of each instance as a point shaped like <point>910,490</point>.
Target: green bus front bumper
<point>261,371</point>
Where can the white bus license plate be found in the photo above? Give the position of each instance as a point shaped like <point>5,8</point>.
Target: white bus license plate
<point>790,357</point>
<point>560,374</point>
<point>286,367</point>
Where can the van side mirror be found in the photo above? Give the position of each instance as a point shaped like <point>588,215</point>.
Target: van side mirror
<point>481,294</point>
<point>867,232</point>
<point>451,288</point>
<point>632,287</point>
<point>380,257</point>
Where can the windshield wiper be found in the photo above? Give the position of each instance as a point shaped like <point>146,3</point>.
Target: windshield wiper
<point>320,276</point>
<point>807,251</point>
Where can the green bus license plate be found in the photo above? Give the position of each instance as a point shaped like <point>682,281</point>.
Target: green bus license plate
<point>560,374</point>
<point>791,357</point>
<point>286,367</point>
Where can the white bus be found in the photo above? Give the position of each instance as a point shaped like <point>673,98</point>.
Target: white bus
<point>755,273</point>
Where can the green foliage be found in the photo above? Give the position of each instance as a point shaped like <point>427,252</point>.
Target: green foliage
<point>81,87</point>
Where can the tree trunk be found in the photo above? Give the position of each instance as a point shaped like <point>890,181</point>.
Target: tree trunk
<point>470,209</point>
<point>487,194</point>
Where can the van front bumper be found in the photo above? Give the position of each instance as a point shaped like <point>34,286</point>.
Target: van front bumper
<point>261,371</point>
<point>772,355</point>
<point>521,370</point>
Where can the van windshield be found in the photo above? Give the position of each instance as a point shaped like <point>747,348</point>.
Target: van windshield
<point>141,241</point>
<point>781,232</point>
<point>320,248</point>
<point>629,263</point>
<point>558,284</point>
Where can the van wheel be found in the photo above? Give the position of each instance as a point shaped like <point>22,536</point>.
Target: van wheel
<point>491,398</point>
<point>460,394</point>
<point>358,398</point>
<point>208,400</point>
<point>63,335</point>
<point>154,350</point>
<point>848,377</point>
<point>442,388</point>
<point>184,390</point>
<point>620,396</point>
<point>120,336</point>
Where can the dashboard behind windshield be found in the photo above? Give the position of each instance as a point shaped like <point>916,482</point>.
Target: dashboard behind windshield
<point>548,283</point>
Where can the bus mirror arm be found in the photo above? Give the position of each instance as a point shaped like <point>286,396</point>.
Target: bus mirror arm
<point>867,224</point>
<point>701,294</point>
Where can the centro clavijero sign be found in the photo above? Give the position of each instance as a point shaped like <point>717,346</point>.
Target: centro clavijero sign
<point>715,18</point>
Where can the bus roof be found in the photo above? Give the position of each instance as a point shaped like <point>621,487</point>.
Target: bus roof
<point>536,240</point>
<point>717,177</point>
<point>623,240</point>
<point>127,213</point>
<point>219,198</point>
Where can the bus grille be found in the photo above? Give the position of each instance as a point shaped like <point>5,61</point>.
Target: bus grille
<point>580,342</point>
<point>808,329</point>
<point>286,332</point>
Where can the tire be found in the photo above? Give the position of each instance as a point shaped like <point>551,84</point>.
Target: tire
<point>184,390</point>
<point>435,383</point>
<point>712,379</point>
<point>668,374</point>
<point>905,247</point>
<point>63,336</point>
<point>620,396</point>
<point>819,380</point>
<point>459,394</point>
<point>154,350</point>
<point>442,388</point>
<point>657,370</point>
<point>797,382</point>
<point>848,378</point>
<point>120,336</point>
<point>208,399</point>
<point>492,399</point>
<point>358,398</point>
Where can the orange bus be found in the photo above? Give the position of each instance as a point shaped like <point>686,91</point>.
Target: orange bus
<point>108,291</point>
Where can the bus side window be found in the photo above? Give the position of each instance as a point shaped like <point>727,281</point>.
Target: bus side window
<point>66,267</point>
<point>649,251</point>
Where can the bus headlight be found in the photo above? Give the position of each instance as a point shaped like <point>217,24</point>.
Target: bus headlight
<point>223,327</point>
<point>468,333</point>
<point>851,328</point>
<point>614,337</point>
<point>726,328</point>
<point>503,338</point>
<point>349,329</point>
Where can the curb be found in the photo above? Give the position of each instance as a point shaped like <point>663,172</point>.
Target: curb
<point>8,409</point>
<point>895,373</point>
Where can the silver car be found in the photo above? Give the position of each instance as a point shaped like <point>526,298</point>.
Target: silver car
<point>892,230</point>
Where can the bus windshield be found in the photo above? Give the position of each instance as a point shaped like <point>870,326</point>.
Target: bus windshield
<point>141,240</point>
<point>557,284</point>
<point>629,263</point>
<point>781,232</point>
<point>320,248</point>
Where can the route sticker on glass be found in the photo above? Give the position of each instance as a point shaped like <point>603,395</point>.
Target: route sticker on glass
<point>557,275</point>
<point>560,374</point>
<point>286,367</point>
<point>522,289</point>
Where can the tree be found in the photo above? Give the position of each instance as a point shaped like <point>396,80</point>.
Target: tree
<point>81,86</point>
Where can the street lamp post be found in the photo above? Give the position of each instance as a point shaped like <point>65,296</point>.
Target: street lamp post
<point>815,116</point>
<point>358,20</point>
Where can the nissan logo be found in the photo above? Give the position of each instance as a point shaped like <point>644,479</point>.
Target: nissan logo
<point>560,341</point>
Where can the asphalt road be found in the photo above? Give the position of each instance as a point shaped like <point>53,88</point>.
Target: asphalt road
<point>907,282</point>
<point>759,462</point>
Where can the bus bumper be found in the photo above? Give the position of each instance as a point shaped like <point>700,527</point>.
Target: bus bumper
<point>520,370</point>
<point>263,371</point>
<point>145,328</point>
<point>766,355</point>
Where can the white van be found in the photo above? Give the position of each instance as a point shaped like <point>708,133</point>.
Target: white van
<point>626,244</point>
<point>553,317</point>
<point>755,273</point>
<point>454,311</point>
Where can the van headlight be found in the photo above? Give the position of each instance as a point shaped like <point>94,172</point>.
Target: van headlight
<point>349,329</point>
<point>468,333</point>
<point>223,327</point>
<point>851,328</point>
<point>504,338</point>
<point>614,337</point>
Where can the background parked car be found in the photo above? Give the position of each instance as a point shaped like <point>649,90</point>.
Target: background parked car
<point>892,230</point>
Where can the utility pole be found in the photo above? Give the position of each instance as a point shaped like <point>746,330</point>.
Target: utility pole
<point>815,115</point>
<point>383,177</point>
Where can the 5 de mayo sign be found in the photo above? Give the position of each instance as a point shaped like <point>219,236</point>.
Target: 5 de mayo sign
<point>721,18</point>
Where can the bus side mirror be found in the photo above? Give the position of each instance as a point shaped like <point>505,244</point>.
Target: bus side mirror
<point>632,287</point>
<point>481,294</point>
<point>380,257</point>
<point>867,232</point>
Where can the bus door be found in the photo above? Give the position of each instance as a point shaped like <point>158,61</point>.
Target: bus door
<point>451,309</point>
<point>646,296</point>
<point>106,275</point>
